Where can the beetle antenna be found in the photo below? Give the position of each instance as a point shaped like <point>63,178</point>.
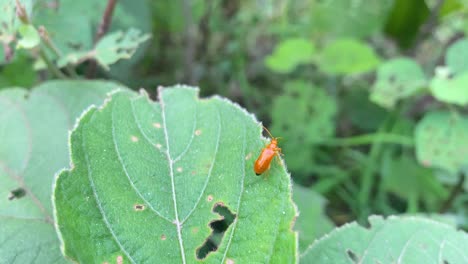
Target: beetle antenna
<point>268,131</point>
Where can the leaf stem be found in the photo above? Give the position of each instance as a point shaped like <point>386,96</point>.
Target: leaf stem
<point>367,139</point>
<point>51,66</point>
<point>102,30</point>
<point>456,190</point>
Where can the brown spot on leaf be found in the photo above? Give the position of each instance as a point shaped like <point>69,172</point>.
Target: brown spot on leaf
<point>230,261</point>
<point>134,138</point>
<point>163,237</point>
<point>248,156</point>
<point>198,132</point>
<point>119,260</point>
<point>157,125</point>
<point>195,230</point>
<point>158,146</point>
<point>139,207</point>
<point>179,169</point>
<point>209,198</point>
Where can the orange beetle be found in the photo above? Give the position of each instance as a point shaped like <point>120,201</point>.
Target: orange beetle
<point>271,150</point>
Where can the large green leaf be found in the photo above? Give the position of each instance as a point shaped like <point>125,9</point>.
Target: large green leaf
<point>347,56</point>
<point>394,240</point>
<point>312,222</point>
<point>396,79</point>
<point>441,141</point>
<point>33,132</point>
<point>148,178</point>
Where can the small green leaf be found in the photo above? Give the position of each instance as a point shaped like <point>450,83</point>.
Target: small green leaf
<point>33,129</point>
<point>347,56</point>
<point>450,89</point>
<point>118,45</point>
<point>289,54</point>
<point>456,58</point>
<point>148,178</point>
<point>397,79</point>
<point>441,141</point>
<point>404,177</point>
<point>29,37</point>
<point>313,119</point>
<point>391,240</point>
<point>312,222</point>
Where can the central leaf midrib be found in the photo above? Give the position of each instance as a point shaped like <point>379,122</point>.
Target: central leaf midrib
<point>171,174</point>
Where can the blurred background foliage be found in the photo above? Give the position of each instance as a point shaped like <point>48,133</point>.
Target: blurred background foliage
<point>369,97</point>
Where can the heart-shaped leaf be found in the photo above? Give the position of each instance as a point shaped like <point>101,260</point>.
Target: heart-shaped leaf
<point>149,181</point>
<point>33,133</point>
<point>441,141</point>
<point>347,56</point>
<point>394,240</point>
<point>396,79</point>
<point>289,54</point>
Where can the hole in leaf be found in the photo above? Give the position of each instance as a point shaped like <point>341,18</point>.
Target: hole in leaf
<point>17,194</point>
<point>352,256</point>
<point>219,227</point>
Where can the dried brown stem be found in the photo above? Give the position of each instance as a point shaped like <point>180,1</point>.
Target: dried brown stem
<point>8,52</point>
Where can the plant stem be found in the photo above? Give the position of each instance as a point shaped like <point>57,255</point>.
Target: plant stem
<point>51,66</point>
<point>102,30</point>
<point>368,173</point>
<point>457,189</point>
<point>369,139</point>
<point>52,47</point>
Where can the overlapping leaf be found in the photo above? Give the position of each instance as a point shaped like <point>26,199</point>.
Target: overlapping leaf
<point>33,133</point>
<point>392,240</point>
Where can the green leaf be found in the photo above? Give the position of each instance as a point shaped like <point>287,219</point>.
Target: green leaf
<point>84,17</point>
<point>441,141</point>
<point>118,45</point>
<point>344,18</point>
<point>33,129</point>
<point>347,56</point>
<point>391,240</point>
<point>313,119</point>
<point>456,58</point>
<point>404,177</point>
<point>9,22</point>
<point>397,79</point>
<point>19,72</point>
<point>29,37</point>
<point>312,222</point>
<point>147,179</point>
<point>450,89</point>
<point>289,54</point>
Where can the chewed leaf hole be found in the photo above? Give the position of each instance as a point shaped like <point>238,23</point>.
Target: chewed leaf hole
<point>352,256</point>
<point>17,194</point>
<point>218,227</point>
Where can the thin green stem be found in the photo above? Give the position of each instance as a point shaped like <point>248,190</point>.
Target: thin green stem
<point>368,173</point>
<point>51,66</point>
<point>369,139</point>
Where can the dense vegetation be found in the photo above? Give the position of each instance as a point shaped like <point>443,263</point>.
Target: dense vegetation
<point>369,99</point>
